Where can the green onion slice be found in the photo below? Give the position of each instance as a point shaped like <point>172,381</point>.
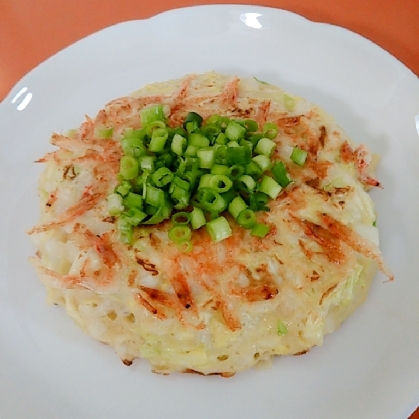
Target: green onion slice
<point>219,229</point>
<point>246,218</point>
<point>280,174</point>
<point>270,186</point>
<point>133,200</point>
<point>128,167</point>
<point>270,130</point>
<point>265,146</point>
<point>179,144</point>
<point>180,233</point>
<point>115,206</point>
<point>161,177</point>
<point>151,114</point>
<point>235,131</point>
<point>184,246</point>
<point>260,230</point>
<point>298,156</point>
<point>181,218</point>
<point>197,218</point>
<point>236,206</point>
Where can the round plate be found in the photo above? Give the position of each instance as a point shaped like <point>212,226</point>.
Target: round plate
<point>368,369</point>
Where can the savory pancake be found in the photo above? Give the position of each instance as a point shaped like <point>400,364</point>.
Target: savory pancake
<point>230,294</point>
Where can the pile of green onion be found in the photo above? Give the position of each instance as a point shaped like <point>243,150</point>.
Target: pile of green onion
<point>194,173</point>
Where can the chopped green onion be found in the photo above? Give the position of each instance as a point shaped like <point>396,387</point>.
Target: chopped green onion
<point>139,134</point>
<point>165,160</point>
<point>184,184</point>
<point>208,167</point>
<point>213,119</point>
<point>221,139</point>
<point>219,229</point>
<point>220,183</point>
<point>115,206</point>
<point>192,163</point>
<point>265,146</point>
<point>180,196</point>
<point>251,125</point>
<point>147,163</point>
<point>229,196</point>
<point>179,130</point>
<point>263,162</point>
<point>125,230</point>
<point>253,169</point>
<point>140,182</point>
<point>154,196</point>
<point>247,181</point>
<point>281,328</point>
<point>280,174</point>
<point>158,140</point>
<point>206,157</point>
<point>181,218</point>
<point>150,128</point>
<point>180,233</point>
<point>123,188</point>
<point>210,131</point>
<point>221,155</point>
<point>236,171</point>
<point>298,156</point>
<point>180,166</point>
<point>134,216</point>
<point>247,143</point>
<point>220,169</point>
<point>198,140</point>
<point>259,230</point>
<point>161,177</point>
<point>179,144</point>
<point>270,130</point>
<point>235,131</point>
<point>192,177</point>
<point>133,146</point>
<point>191,151</point>
<point>133,200</point>
<point>258,201</point>
<point>270,186</point>
<point>246,218</point>
<point>151,114</point>
<point>238,155</point>
<point>254,138</point>
<point>223,122</point>
<point>150,210</point>
<point>162,213</point>
<point>211,199</point>
<point>193,117</point>
<point>236,206</point>
<point>184,246</point>
<point>197,218</point>
<point>128,167</point>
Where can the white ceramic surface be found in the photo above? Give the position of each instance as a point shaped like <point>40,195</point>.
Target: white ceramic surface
<point>367,369</point>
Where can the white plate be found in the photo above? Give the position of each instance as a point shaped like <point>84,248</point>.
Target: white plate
<point>368,369</point>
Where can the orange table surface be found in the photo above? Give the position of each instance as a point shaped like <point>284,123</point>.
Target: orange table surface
<point>33,30</point>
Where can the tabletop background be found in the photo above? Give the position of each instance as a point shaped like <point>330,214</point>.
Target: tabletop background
<point>33,30</point>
